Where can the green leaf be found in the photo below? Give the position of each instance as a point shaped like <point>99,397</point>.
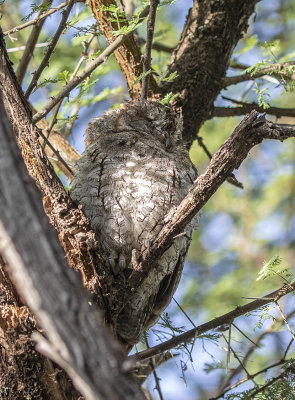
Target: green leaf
<point>168,98</point>
<point>171,77</point>
<point>140,77</point>
<point>262,95</point>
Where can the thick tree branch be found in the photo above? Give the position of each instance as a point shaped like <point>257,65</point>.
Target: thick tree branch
<point>252,130</point>
<point>227,318</point>
<point>16,327</point>
<point>202,56</point>
<point>75,332</point>
<point>73,228</point>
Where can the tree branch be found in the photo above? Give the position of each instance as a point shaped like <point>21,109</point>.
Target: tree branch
<point>284,374</point>
<point>53,43</point>
<point>35,257</point>
<point>246,108</point>
<point>79,78</point>
<point>275,69</point>
<point>128,55</point>
<point>30,45</point>
<point>37,19</point>
<point>16,327</point>
<point>202,56</point>
<point>148,48</point>
<point>250,132</point>
<point>72,226</point>
<point>227,318</point>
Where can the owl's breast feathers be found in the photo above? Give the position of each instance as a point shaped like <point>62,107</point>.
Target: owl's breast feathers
<point>127,180</point>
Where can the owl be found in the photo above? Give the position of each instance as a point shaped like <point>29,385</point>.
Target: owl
<point>133,171</point>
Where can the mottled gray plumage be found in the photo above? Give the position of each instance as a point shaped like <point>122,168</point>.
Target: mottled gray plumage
<point>131,174</point>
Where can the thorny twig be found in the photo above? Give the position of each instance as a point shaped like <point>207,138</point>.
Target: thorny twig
<point>285,373</point>
<point>186,337</point>
<point>157,380</point>
<point>53,43</point>
<point>247,378</point>
<point>148,48</point>
<point>226,385</point>
<point>230,349</point>
<point>184,312</point>
<point>83,57</point>
<point>285,320</point>
<point>35,20</point>
<point>247,337</point>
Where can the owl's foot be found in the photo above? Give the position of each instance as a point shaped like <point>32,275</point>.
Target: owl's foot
<point>117,262</point>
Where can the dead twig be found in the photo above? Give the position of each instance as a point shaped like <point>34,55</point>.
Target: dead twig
<point>227,318</point>
<point>83,57</point>
<point>157,380</point>
<point>35,20</point>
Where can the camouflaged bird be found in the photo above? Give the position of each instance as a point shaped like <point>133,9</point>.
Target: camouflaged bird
<point>133,171</point>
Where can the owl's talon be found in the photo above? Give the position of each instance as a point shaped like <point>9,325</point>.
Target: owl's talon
<point>112,260</point>
<point>122,262</point>
<point>134,258</point>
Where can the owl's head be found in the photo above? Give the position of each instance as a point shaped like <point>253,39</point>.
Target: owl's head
<point>142,116</point>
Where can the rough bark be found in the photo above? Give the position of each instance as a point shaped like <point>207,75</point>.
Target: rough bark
<point>202,57</point>
<point>75,334</point>
<point>24,372</point>
<point>129,56</point>
<point>72,226</point>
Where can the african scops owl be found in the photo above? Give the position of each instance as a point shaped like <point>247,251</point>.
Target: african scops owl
<point>133,171</point>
